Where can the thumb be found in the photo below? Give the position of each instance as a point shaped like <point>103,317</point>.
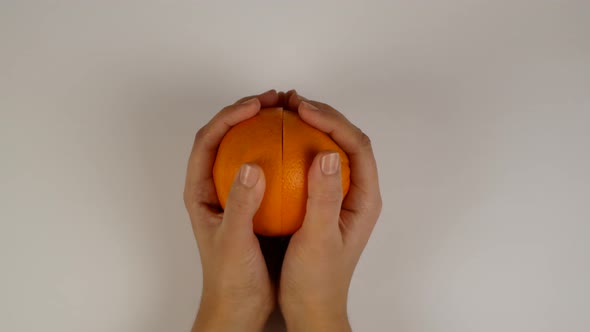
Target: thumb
<point>244,198</point>
<point>324,192</point>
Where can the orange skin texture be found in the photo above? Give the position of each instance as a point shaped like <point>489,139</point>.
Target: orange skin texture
<point>284,147</point>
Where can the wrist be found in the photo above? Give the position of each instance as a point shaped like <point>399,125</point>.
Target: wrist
<point>226,316</point>
<point>317,318</point>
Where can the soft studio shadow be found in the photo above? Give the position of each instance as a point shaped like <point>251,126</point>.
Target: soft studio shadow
<point>273,249</point>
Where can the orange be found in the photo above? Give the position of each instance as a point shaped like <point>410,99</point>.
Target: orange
<point>284,147</point>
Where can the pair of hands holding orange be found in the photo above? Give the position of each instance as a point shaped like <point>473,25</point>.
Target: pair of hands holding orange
<point>238,293</point>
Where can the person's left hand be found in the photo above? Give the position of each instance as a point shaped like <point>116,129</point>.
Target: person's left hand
<point>237,291</point>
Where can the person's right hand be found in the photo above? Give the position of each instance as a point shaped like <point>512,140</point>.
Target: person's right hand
<point>323,253</point>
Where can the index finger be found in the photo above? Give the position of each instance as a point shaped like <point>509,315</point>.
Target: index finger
<point>269,98</point>
<point>199,187</point>
<point>364,194</point>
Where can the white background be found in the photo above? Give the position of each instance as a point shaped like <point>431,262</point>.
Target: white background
<point>479,112</point>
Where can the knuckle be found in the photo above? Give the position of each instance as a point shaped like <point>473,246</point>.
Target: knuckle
<point>373,207</point>
<point>193,194</point>
<point>190,197</point>
<point>239,202</point>
<point>330,196</point>
<point>378,205</point>
<point>187,197</point>
<point>229,108</point>
<point>202,134</point>
<point>364,140</point>
<point>325,107</point>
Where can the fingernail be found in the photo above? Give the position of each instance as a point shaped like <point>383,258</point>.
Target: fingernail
<point>271,90</point>
<point>249,101</point>
<point>249,175</point>
<point>309,106</point>
<point>330,163</point>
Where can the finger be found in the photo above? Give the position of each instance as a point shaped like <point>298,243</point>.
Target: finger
<point>199,187</point>
<point>293,101</point>
<point>243,200</point>
<point>243,99</point>
<point>324,193</point>
<point>296,99</point>
<point>364,192</point>
<point>267,99</point>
